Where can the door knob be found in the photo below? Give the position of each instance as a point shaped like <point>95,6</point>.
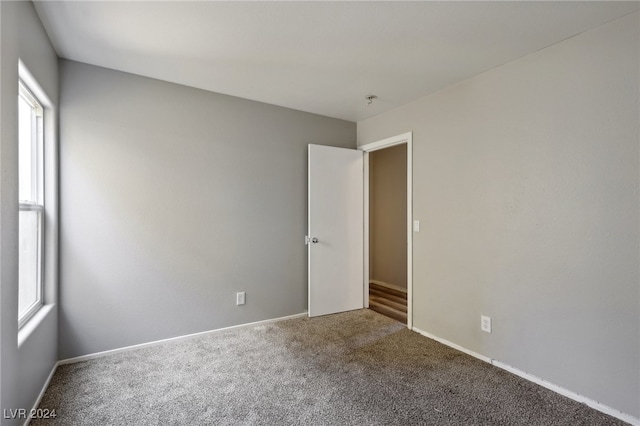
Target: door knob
<point>308,239</point>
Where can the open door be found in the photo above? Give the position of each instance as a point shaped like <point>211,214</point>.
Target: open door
<point>336,230</point>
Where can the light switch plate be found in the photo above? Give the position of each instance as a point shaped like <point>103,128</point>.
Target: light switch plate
<point>416,226</point>
<point>240,298</point>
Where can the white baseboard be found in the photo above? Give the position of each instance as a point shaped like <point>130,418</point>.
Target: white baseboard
<point>537,380</point>
<point>44,389</point>
<point>569,394</point>
<point>159,342</point>
<point>452,345</point>
<point>387,285</point>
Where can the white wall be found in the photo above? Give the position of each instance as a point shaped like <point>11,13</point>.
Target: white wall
<point>172,200</point>
<point>388,215</point>
<point>24,369</point>
<point>526,180</point>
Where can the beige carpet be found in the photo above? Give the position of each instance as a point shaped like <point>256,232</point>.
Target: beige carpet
<point>356,368</point>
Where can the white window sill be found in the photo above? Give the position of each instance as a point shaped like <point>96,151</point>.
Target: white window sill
<point>30,326</point>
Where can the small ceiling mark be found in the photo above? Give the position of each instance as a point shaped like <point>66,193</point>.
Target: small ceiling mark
<point>370,99</point>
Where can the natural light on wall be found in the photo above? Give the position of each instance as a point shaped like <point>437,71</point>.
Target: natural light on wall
<point>30,166</point>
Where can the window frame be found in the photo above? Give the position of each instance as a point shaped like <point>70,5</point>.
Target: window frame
<point>37,190</point>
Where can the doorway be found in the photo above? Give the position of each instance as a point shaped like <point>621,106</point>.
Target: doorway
<point>388,227</point>
<point>387,233</point>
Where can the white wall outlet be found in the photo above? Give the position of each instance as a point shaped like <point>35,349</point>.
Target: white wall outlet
<point>485,323</point>
<point>240,298</point>
<point>416,226</point>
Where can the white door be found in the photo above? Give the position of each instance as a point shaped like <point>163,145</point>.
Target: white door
<point>336,230</point>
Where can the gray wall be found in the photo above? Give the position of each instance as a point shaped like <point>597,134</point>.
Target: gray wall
<point>24,369</point>
<point>526,180</point>
<point>172,200</point>
<point>388,215</point>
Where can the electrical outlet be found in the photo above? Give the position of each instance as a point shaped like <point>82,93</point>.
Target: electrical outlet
<point>485,323</point>
<point>240,298</point>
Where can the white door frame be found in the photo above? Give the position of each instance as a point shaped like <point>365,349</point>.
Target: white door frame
<point>374,146</point>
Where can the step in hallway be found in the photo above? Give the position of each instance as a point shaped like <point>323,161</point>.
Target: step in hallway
<point>389,302</point>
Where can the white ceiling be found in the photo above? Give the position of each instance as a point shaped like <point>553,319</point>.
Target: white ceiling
<point>320,57</point>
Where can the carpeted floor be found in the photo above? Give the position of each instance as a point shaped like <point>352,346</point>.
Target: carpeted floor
<point>355,368</point>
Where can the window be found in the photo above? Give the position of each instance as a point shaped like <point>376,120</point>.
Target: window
<point>30,192</point>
